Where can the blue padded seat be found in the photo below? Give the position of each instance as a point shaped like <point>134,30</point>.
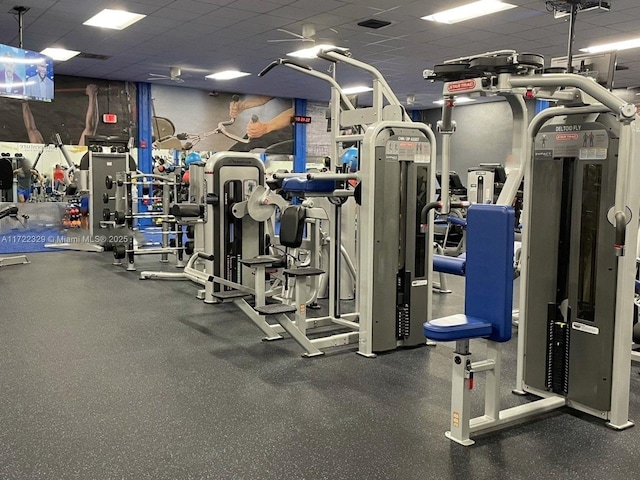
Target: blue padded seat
<point>450,265</point>
<point>299,184</point>
<point>457,327</point>
<point>488,281</point>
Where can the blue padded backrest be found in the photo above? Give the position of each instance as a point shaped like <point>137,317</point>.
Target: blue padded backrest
<point>297,184</point>
<point>489,269</point>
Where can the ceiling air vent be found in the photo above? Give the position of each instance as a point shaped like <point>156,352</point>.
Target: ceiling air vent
<point>373,23</point>
<point>93,56</point>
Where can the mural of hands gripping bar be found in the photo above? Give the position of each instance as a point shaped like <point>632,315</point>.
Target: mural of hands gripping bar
<point>234,110</point>
<point>273,135</point>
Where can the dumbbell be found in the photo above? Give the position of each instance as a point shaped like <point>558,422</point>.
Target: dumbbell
<point>108,182</point>
<point>118,217</point>
<point>119,251</point>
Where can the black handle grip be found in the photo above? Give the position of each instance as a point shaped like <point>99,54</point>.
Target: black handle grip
<point>254,118</point>
<point>621,231</point>
<point>235,98</point>
<point>296,63</point>
<point>269,67</point>
<point>283,61</point>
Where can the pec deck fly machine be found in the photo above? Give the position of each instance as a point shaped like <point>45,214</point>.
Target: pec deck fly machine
<point>395,180</point>
<point>580,166</point>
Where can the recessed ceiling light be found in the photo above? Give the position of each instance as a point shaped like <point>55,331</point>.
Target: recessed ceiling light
<point>115,19</point>
<point>469,11</point>
<point>456,100</point>
<point>227,75</point>
<point>610,47</point>
<point>59,54</point>
<point>356,89</point>
<point>311,52</point>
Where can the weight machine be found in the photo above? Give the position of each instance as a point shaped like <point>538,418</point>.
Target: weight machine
<point>394,268</point>
<point>577,285</point>
<point>106,157</point>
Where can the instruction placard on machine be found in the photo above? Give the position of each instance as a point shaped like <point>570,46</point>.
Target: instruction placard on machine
<point>572,141</point>
<point>408,149</point>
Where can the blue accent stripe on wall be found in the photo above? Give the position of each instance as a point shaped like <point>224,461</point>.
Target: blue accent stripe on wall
<point>300,138</point>
<point>145,140</point>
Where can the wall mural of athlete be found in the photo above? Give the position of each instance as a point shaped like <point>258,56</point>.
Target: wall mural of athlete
<point>192,119</point>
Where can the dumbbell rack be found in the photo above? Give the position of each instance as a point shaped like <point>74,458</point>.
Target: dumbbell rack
<point>72,216</point>
<point>106,156</point>
<point>127,215</point>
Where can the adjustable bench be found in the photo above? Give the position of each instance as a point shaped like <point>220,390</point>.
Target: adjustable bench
<point>487,310</point>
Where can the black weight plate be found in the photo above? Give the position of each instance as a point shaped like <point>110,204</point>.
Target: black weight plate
<point>531,59</point>
<point>492,63</point>
<point>447,68</point>
<point>555,70</point>
<point>450,72</point>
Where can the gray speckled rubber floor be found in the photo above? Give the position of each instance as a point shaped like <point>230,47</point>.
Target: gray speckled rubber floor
<point>104,376</point>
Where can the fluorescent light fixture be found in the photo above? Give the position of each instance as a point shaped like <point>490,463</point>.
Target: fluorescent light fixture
<point>114,19</point>
<point>609,47</point>
<point>469,11</point>
<point>309,52</point>
<point>356,89</point>
<point>227,75</point>
<point>456,100</point>
<point>59,54</point>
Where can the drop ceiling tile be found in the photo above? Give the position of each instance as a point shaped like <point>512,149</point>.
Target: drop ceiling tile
<point>254,6</point>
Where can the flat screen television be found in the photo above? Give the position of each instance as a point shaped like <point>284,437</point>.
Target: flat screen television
<point>25,75</point>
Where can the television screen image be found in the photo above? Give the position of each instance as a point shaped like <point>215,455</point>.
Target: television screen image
<point>25,75</point>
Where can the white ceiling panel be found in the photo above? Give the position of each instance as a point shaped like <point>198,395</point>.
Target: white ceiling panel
<point>207,35</point>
